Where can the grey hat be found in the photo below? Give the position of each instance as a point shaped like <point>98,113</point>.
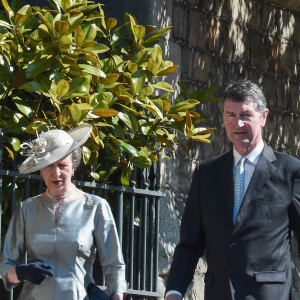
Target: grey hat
<point>51,146</point>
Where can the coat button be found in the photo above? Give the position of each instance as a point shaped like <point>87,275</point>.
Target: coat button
<point>232,245</point>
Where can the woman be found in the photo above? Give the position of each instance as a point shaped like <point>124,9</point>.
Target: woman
<point>61,229</point>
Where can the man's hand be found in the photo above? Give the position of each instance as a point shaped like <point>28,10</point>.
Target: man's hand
<point>173,297</point>
<point>35,272</point>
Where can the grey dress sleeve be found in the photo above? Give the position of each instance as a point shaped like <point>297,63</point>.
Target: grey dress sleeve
<point>14,249</point>
<point>109,249</point>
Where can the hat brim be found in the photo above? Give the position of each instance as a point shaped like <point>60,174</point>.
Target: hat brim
<point>79,135</point>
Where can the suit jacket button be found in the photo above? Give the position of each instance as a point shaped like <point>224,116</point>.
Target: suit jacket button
<point>232,245</point>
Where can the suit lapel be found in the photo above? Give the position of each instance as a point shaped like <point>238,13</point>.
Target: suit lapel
<point>262,173</point>
<point>226,180</point>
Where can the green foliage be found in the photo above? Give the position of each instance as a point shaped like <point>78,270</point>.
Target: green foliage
<point>68,65</point>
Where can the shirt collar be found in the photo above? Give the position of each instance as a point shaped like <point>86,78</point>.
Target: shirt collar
<point>253,156</point>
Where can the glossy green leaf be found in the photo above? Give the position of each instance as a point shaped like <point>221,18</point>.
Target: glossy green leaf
<point>156,54</point>
<point>125,119</point>
<point>97,48</point>
<point>152,66</point>
<point>62,88</point>
<point>36,125</point>
<point>25,110</point>
<point>39,66</point>
<point>125,147</point>
<point>156,35</point>
<point>15,143</point>
<point>62,27</point>
<point>111,23</point>
<point>105,112</point>
<point>162,86</point>
<point>125,176</point>
<point>201,95</point>
<point>140,57</point>
<point>31,86</point>
<point>86,154</point>
<point>92,70</point>
<point>78,36</point>
<point>167,71</point>
<point>183,106</point>
<point>142,162</point>
<point>22,15</point>
<point>78,86</point>
<point>138,81</point>
<point>90,32</point>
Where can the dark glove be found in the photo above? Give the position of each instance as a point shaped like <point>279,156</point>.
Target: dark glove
<point>95,293</point>
<point>35,272</point>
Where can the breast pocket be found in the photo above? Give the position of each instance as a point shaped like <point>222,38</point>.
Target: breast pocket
<point>270,277</point>
<point>269,201</point>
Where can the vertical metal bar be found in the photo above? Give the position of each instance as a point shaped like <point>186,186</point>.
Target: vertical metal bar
<point>156,243</point>
<point>139,250</point>
<point>1,167</point>
<point>119,214</point>
<point>131,241</point>
<point>144,244</point>
<point>157,218</point>
<point>26,188</point>
<point>151,245</point>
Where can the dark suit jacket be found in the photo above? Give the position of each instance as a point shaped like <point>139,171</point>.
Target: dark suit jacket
<point>250,260</point>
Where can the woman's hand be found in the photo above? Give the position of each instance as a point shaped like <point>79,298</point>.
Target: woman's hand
<point>117,296</point>
<point>12,276</point>
<point>35,272</point>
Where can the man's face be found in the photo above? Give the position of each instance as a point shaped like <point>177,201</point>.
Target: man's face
<point>243,124</point>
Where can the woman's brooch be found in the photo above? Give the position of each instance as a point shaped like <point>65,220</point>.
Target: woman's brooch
<point>89,203</point>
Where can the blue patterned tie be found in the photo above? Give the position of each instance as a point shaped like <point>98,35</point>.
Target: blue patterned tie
<point>239,182</point>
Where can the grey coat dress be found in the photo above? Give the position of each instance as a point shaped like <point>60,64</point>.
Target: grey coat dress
<point>68,243</point>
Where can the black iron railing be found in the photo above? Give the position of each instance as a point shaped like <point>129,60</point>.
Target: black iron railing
<point>136,212</point>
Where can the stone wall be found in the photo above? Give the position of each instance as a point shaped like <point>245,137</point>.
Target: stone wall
<point>215,43</point>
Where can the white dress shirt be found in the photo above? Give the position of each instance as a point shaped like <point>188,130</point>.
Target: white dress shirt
<point>250,162</point>
<point>249,165</point>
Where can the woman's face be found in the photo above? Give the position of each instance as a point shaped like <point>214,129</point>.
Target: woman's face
<point>57,176</point>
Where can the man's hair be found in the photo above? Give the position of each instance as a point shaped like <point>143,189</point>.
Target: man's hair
<point>76,157</point>
<point>246,90</point>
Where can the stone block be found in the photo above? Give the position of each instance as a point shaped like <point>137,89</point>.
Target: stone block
<point>273,53</point>
<point>286,23</point>
<point>281,94</point>
<point>179,22</point>
<point>254,10</point>
<point>227,39</point>
<point>257,50</point>
<point>213,27</point>
<point>241,53</point>
<point>193,2</point>
<point>296,30</point>
<point>241,13</point>
<point>269,89</point>
<point>268,20</point>
<point>288,59</point>
<point>206,5</point>
<point>197,29</point>
<point>186,63</point>
<point>201,67</point>
<point>225,9</point>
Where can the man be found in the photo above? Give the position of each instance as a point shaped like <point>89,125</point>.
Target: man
<point>246,244</point>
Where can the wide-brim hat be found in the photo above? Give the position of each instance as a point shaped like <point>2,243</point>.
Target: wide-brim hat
<point>51,146</point>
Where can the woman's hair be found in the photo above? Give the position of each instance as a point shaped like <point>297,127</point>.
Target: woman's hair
<point>246,90</point>
<point>76,157</point>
